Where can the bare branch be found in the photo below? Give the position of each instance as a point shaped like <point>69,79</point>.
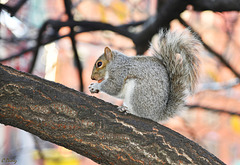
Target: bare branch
<point>220,85</point>
<point>213,109</point>
<point>85,26</point>
<point>39,149</point>
<point>219,56</point>
<point>13,10</point>
<point>166,13</point>
<point>68,6</point>
<point>219,5</point>
<point>39,40</point>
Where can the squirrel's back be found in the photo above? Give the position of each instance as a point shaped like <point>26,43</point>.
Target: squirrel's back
<point>177,52</point>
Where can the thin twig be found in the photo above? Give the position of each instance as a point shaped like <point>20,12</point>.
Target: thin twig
<point>68,5</point>
<point>39,149</point>
<point>212,109</point>
<point>13,10</point>
<point>39,40</point>
<point>86,26</point>
<point>219,56</point>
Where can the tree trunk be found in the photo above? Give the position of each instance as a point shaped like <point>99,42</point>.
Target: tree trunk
<point>90,126</point>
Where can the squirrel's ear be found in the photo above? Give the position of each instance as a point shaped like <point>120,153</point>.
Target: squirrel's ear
<point>108,53</point>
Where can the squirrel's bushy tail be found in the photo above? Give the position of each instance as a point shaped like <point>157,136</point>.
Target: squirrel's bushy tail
<point>177,51</point>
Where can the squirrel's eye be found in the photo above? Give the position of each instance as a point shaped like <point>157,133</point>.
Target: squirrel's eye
<point>99,64</point>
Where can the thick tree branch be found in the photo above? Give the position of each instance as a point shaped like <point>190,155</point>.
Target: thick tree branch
<point>166,13</point>
<point>89,126</point>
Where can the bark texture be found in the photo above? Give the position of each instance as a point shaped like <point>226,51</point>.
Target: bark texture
<point>89,126</point>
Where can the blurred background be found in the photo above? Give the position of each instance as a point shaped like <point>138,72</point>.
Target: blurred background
<point>36,37</point>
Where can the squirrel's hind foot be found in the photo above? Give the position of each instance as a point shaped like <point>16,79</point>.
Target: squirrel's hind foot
<point>123,109</point>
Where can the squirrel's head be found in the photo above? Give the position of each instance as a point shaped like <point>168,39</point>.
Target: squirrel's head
<point>99,69</point>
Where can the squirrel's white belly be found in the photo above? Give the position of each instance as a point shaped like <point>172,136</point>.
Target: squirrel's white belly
<point>127,93</point>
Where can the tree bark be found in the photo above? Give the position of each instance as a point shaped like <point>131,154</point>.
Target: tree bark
<point>90,126</point>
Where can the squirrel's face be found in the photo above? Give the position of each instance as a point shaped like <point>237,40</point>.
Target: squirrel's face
<point>99,69</point>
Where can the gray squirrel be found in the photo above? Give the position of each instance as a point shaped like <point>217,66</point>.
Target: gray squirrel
<point>153,87</point>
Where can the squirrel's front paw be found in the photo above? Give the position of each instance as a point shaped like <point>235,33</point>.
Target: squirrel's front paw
<point>94,87</point>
